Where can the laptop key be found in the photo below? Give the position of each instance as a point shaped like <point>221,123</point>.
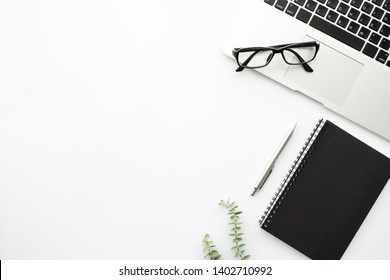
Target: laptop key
<point>375,38</point>
<point>321,10</point>
<point>377,2</point>
<point>343,8</point>
<point>382,56</point>
<point>281,4</point>
<point>311,5</point>
<point>332,16</point>
<point>356,3</point>
<point>300,2</point>
<point>375,25</point>
<point>364,19</point>
<point>386,6</point>
<point>343,21</point>
<point>364,32</point>
<point>386,18</point>
<point>332,3</point>
<point>303,15</point>
<point>385,30</point>
<point>377,13</point>
<point>353,27</point>
<point>353,14</point>
<point>385,44</point>
<point>367,7</point>
<point>337,33</point>
<point>270,2</point>
<point>291,9</point>
<point>370,50</point>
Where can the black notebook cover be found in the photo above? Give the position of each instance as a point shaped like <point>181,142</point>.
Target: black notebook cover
<point>327,194</point>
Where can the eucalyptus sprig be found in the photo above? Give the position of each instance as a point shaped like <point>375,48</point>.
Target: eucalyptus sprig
<point>209,248</point>
<point>236,232</point>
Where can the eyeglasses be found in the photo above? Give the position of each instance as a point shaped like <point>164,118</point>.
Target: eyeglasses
<point>293,54</point>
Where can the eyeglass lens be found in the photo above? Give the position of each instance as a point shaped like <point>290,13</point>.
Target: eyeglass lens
<point>299,55</point>
<point>255,58</point>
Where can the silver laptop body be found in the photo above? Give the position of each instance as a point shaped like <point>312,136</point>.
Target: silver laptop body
<point>347,80</point>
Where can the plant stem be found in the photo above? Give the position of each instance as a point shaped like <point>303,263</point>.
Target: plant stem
<point>209,248</point>
<point>236,229</point>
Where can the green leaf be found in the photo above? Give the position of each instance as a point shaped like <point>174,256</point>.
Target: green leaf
<point>214,254</point>
<point>247,257</point>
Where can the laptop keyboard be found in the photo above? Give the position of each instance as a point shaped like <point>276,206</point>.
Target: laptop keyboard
<point>361,24</point>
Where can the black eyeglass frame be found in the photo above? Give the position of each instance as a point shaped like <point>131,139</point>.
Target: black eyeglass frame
<point>275,50</point>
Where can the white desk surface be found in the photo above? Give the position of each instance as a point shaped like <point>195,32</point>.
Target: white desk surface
<point>123,124</point>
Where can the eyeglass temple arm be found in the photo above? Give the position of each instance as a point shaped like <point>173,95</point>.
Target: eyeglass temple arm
<point>297,45</point>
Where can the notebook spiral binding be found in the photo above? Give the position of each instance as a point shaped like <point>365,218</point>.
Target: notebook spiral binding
<point>281,192</point>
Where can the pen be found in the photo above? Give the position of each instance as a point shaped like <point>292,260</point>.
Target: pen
<point>267,171</point>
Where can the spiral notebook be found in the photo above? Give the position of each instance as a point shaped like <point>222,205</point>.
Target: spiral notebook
<point>327,193</point>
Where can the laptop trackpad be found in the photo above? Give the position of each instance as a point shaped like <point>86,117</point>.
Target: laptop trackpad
<point>333,77</point>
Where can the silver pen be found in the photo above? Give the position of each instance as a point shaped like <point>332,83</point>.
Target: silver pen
<point>268,169</point>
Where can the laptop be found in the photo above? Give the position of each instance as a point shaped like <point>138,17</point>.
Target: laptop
<point>351,71</point>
